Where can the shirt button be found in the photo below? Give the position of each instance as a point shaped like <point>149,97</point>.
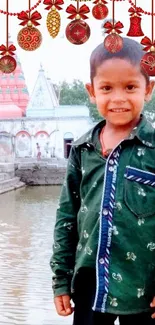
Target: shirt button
<point>101,260</point>
<point>111,169</point>
<point>115,154</point>
<point>111,162</point>
<point>105,212</point>
<point>118,206</point>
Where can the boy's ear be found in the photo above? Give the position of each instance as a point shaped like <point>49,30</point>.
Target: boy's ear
<point>90,90</point>
<point>149,91</point>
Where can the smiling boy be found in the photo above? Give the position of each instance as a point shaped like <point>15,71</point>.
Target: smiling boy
<point>104,239</point>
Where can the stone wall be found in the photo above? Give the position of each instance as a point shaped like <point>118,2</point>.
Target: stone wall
<point>21,136</point>
<point>40,173</point>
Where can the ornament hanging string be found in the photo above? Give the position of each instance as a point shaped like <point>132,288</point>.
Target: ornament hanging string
<point>78,3</point>
<point>17,13</point>
<point>152,21</point>
<point>6,49</point>
<point>142,11</point>
<point>149,43</point>
<point>112,26</point>
<point>7,62</point>
<point>29,9</point>
<point>148,60</point>
<point>113,12</point>
<point>113,42</point>
<point>27,17</point>
<point>7,24</point>
<point>134,6</point>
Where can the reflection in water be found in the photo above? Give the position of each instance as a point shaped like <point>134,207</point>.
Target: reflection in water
<point>26,234</point>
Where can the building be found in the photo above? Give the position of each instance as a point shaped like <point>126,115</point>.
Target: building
<point>37,124</point>
<point>14,96</point>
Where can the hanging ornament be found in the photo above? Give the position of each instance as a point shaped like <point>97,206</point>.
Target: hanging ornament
<point>113,42</point>
<point>135,29</point>
<point>7,62</point>
<point>148,60</point>
<point>77,31</point>
<point>29,38</point>
<point>100,10</point>
<point>53,21</point>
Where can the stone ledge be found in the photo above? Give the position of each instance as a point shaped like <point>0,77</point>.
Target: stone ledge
<point>40,174</point>
<point>11,188</point>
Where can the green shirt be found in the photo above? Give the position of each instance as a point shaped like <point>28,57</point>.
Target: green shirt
<point>106,221</point>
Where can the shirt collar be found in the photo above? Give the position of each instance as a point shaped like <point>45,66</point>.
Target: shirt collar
<point>144,131</point>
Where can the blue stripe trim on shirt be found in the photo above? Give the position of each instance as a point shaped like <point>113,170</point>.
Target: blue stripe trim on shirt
<point>105,231</point>
<point>140,176</point>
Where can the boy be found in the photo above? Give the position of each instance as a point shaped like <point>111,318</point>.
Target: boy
<point>104,246</point>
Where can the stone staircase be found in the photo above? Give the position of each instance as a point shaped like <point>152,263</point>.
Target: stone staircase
<point>8,180</point>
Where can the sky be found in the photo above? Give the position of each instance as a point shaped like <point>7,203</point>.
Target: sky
<point>60,59</point>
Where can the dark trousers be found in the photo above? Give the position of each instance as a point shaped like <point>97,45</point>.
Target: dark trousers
<point>83,299</point>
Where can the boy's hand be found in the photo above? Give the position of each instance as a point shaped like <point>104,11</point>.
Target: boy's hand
<point>153,306</point>
<point>63,305</point>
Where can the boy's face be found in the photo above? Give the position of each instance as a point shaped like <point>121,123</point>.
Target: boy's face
<point>119,90</point>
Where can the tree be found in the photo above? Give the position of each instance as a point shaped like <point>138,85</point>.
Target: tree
<point>73,94</point>
<point>76,94</point>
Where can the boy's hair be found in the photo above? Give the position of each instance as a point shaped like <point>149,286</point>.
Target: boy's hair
<point>131,51</point>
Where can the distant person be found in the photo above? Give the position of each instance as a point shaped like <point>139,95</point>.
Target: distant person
<point>104,238</point>
<point>46,148</point>
<point>38,151</point>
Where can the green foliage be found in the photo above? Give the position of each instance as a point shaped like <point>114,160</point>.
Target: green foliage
<point>75,94</point>
<point>94,112</point>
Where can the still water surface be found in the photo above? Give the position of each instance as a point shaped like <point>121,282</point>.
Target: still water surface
<point>27,219</point>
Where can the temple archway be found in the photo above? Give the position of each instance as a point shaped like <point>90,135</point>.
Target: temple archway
<point>23,144</point>
<point>42,144</point>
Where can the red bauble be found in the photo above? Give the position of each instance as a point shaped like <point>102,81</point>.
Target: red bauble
<point>148,63</point>
<point>29,38</point>
<point>7,64</point>
<point>78,32</point>
<point>113,43</point>
<point>100,11</point>
<point>135,29</point>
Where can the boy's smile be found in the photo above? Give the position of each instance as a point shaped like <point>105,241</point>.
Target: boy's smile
<point>119,90</point>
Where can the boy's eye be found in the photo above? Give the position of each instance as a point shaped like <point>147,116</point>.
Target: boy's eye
<point>106,88</point>
<point>130,87</point>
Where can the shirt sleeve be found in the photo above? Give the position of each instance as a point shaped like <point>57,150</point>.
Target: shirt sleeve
<point>65,231</point>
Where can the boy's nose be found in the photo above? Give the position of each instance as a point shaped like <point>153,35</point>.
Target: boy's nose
<point>118,97</point>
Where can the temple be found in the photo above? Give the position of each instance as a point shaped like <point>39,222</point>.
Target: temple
<point>43,100</point>
<point>14,96</point>
<point>37,122</point>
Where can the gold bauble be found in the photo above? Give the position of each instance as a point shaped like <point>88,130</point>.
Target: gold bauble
<point>53,22</point>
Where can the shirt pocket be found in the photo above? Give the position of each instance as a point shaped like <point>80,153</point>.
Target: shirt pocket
<point>139,194</point>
